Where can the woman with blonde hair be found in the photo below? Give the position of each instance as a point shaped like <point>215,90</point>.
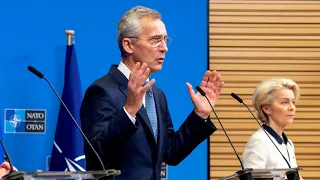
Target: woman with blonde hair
<point>274,102</point>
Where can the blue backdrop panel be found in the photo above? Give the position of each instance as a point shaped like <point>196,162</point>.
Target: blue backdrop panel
<point>32,33</point>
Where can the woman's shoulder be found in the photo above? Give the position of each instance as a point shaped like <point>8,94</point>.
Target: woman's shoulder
<point>258,135</point>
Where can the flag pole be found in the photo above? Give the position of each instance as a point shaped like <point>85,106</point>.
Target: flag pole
<point>70,34</point>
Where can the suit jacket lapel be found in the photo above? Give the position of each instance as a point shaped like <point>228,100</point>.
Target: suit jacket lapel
<point>120,79</point>
<point>144,115</point>
<point>161,129</point>
<point>123,87</point>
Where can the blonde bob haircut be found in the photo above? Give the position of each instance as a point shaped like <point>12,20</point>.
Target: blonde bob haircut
<point>265,94</point>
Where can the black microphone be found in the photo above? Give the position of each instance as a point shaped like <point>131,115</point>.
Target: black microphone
<point>36,72</point>
<point>291,175</point>
<point>7,157</point>
<point>244,174</point>
<point>40,75</point>
<point>12,173</point>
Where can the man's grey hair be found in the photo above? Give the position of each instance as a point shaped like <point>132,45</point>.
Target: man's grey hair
<point>129,24</point>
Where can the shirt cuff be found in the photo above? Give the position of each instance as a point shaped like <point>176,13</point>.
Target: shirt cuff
<point>205,119</point>
<point>133,120</point>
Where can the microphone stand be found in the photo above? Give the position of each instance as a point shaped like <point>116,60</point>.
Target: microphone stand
<point>244,174</point>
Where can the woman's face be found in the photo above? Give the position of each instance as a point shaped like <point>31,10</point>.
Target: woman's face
<point>283,108</point>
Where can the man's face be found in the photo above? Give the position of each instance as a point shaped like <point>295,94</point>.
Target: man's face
<point>150,47</point>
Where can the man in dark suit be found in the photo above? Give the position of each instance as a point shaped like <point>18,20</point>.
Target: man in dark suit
<point>126,117</point>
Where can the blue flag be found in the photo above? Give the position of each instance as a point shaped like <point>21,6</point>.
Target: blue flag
<point>67,153</point>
